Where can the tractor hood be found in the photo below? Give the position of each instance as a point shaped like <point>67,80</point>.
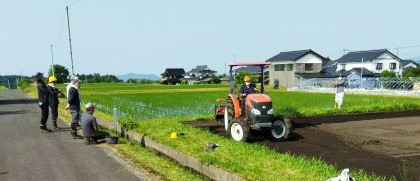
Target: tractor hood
<point>259,107</point>
<point>257,98</point>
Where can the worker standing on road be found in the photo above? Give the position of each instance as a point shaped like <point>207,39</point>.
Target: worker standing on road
<point>90,126</point>
<point>73,105</point>
<point>339,94</point>
<point>71,77</point>
<point>53,91</point>
<point>43,101</point>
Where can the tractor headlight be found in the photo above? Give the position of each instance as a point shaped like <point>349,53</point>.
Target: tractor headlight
<point>270,111</point>
<point>255,111</point>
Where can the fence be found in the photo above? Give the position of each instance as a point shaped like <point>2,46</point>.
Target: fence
<point>403,86</point>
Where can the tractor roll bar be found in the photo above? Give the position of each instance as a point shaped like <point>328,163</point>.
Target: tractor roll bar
<point>260,64</point>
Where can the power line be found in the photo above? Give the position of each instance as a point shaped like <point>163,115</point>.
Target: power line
<point>411,46</point>
<point>398,48</point>
<point>61,29</point>
<point>74,2</point>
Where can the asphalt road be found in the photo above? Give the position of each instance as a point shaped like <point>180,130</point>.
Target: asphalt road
<point>28,154</point>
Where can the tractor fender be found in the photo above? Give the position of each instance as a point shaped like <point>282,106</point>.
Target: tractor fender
<point>236,105</point>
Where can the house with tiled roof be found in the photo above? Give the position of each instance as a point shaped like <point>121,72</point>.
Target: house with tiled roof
<point>201,73</point>
<point>375,61</point>
<point>287,67</point>
<point>172,76</point>
<point>406,64</point>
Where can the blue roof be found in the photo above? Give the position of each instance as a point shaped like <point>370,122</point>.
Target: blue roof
<point>406,62</point>
<point>368,55</point>
<point>292,55</point>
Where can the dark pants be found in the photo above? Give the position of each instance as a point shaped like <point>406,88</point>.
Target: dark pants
<point>54,113</point>
<point>75,119</point>
<point>99,135</point>
<point>44,114</point>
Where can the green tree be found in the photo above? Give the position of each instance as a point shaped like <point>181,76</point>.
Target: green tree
<point>60,72</point>
<point>140,81</point>
<point>215,79</point>
<point>239,77</point>
<point>388,73</point>
<point>412,72</point>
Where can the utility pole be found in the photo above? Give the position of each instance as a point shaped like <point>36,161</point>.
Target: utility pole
<point>52,60</point>
<point>225,68</point>
<point>8,83</point>
<point>71,52</point>
<point>361,70</point>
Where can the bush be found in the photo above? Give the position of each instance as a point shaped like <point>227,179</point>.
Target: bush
<point>215,79</point>
<point>388,73</point>
<point>412,72</point>
<point>24,84</point>
<point>129,123</point>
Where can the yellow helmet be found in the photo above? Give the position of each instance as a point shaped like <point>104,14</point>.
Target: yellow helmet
<point>247,78</point>
<point>52,79</point>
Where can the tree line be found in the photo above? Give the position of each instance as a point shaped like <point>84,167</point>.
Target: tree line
<point>62,75</point>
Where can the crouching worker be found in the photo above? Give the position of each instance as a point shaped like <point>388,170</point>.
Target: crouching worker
<point>90,126</point>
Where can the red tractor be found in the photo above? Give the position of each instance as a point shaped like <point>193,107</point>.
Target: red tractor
<point>252,112</point>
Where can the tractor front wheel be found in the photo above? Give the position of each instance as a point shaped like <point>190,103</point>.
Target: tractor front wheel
<point>281,130</point>
<point>238,130</point>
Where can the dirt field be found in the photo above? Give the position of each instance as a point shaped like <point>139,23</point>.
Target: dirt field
<point>388,146</point>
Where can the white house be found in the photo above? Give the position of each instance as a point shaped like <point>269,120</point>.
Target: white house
<point>286,67</point>
<point>375,61</point>
<point>405,64</point>
<point>200,73</point>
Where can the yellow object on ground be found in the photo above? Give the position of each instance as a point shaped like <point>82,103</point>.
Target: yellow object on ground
<point>174,135</point>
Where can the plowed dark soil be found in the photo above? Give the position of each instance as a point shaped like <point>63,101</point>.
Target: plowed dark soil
<point>384,147</point>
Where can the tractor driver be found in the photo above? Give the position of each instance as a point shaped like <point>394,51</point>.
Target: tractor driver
<point>247,88</point>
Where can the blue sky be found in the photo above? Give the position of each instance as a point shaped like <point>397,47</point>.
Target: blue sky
<point>135,36</point>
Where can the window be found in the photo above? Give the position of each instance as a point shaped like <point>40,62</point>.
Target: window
<point>309,66</point>
<point>379,66</point>
<point>342,66</point>
<point>392,65</point>
<point>279,67</point>
<point>289,67</point>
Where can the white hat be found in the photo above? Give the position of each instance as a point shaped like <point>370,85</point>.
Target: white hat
<point>75,81</point>
<point>90,105</point>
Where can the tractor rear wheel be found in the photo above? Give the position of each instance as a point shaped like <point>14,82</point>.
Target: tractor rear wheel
<point>230,109</point>
<point>238,130</point>
<point>229,114</point>
<point>281,130</point>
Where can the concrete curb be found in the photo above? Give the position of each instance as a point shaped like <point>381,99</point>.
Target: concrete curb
<point>210,171</point>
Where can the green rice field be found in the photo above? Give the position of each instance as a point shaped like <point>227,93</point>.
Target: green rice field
<point>144,102</point>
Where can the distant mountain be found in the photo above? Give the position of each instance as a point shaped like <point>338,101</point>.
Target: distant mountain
<point>125,77</point>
